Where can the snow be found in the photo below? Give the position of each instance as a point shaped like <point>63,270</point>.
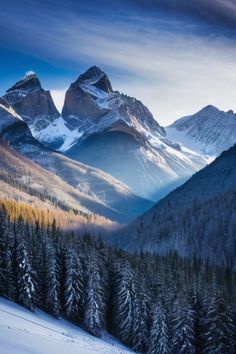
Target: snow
<point>29,73</point>
<point>187,142</point>
<point>26,332</point>
<point>58,130</point>
<point>11,111</point>
<point>208,132</point>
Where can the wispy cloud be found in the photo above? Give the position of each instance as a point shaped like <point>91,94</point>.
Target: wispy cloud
<point>173,70</point>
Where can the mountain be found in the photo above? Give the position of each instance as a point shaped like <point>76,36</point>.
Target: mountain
<point>209,131</point>
<point>32,102</point>
<point>119,135</point>
<point>67,182</point>
<point>198,219</point>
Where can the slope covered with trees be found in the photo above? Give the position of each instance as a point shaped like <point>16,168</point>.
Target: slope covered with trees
<point>151,303</point>
<point>198,219</point>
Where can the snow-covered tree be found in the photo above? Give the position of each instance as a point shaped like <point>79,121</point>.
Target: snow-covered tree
<point>52,291</point>
<point>219,334</point>
<point>74,294</point>
<point>125,303</point>
<point>159,340</point>
<point>95,305</point>
<point>141,319</point>
<point>24,273</point>
<point>183,328</point>
<point>3,247</point>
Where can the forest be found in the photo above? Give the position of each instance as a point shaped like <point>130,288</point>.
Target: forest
<point>153,304</point>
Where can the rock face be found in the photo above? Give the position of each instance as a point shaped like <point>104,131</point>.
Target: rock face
<point>91,104</point>
<point>79,186</point>
<point>197,219</point>
<point>118,134</point>
<point>32,102</point>
<point>209,131</point>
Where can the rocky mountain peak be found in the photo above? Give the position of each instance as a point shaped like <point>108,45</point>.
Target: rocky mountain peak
<point>30,82</point>
<point>34,104</point>
<point>96,77</point>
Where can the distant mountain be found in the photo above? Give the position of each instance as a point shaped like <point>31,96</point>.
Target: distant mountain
<point>118,134</point>
<point>32,102</point>
<point>66,181</point>
<point>198,219</point>
<point>209,131</point>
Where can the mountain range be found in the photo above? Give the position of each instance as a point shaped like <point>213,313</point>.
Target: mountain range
<point>107,130</point>
<point>105,154</point>
<point>72,184</point>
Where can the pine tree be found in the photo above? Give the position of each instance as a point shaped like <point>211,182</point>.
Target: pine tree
<point>39,262</point>
<point>10,266</point>
<point>52,280</point>
<point>95,305</point>
<point>3,247</point>
<point>219,335</point>
<point>183,328</point>
<point>141,320</point>
<point>24,272</point>
<point>125,303</point>
<point>74,293</point>
<point>159,341</point>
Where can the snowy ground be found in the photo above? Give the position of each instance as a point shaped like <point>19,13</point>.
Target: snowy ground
<point>25,332</point>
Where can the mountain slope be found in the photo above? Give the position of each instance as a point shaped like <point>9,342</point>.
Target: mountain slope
<point>25,332</point>
<point>75,184</point>
<point>118,134</point>
<point>198,219</point>
<point>209,131</point>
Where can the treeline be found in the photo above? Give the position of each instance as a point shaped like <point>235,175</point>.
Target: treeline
<point>66,220</point>
<point>45,196</point>
<point>153,304</point>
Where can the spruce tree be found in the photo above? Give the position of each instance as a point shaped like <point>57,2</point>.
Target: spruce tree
<point>95,305</point>
<point>159,340</point>
<point>183,328</point>
<point>52,280</point>
<point>74,293</point>
<point>219,334</point>
<point>25,282</point>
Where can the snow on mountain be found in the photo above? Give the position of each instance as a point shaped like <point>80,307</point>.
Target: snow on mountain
<point>72,183</point>
<point>118,134</point>
<point>107,130</point>
<point>209,131</point>
<point>32,102</point>
<point>26,332</point>
<point>8,115</point>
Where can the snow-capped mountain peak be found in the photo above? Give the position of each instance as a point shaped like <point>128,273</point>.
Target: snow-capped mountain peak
<point>96,77</point>
<point>209,131</point>
<point>118,134</point>
<point>29,83</point>
<point>34,104</point>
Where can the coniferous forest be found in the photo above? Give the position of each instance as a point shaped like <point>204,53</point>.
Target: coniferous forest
<point>151,303</point>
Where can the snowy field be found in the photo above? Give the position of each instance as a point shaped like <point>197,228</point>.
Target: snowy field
<point>25,332</point>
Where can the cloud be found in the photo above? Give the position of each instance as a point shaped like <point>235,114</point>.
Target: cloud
<point>173,69</point>
<point>218,12</point>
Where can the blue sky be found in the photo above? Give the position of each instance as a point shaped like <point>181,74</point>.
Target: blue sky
<point>175,55</point>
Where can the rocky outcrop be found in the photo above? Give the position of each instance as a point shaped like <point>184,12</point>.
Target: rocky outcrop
<point>34,104</point>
